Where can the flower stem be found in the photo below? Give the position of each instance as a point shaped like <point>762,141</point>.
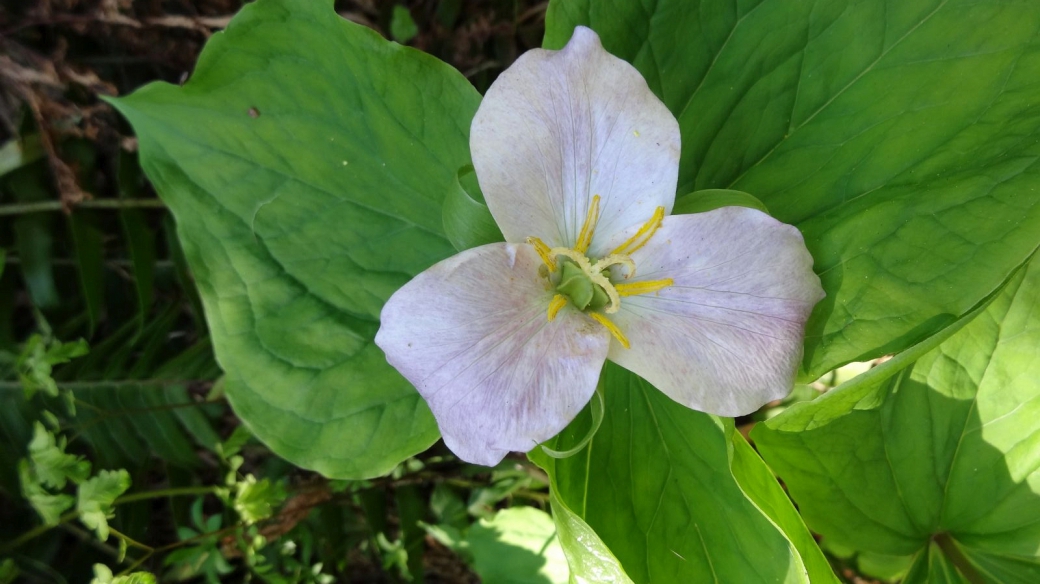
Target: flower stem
<point>45,206</point>
<point>142,496</point>
<point>958,559</point>
<point>36,532</point>
<point>131,541</point>
<point>172,492</point>
<point>144,558</point>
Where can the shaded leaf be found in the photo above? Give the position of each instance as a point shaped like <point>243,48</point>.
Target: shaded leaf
<point>87,248</point>
<point>34,242</point>
<point>140,240</point>
<point>301,207</point>
<point>142,406</point>
<point>9,571</point>
<point>411,509</point>
<point>467,220</point>
<point>932,567</point>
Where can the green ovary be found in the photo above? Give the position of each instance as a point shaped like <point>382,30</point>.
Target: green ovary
<point>576,285</point>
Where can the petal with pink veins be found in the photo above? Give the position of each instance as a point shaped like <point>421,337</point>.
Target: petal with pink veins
<point>472,335</point>
<point>559,127</point>
<point>727,336</point>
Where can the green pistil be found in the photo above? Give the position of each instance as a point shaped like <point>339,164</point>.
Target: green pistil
<point>579,289</point>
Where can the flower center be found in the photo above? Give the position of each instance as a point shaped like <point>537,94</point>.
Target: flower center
<point>576,285</point>
<point>587,284</point>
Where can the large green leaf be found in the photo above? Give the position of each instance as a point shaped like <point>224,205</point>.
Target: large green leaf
<point>949,455</point>
<point>901,137</point>
<point>657,484</point>
<point>306,162</point>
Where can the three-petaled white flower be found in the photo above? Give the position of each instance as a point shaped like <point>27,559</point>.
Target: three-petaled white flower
<point>578,162</point>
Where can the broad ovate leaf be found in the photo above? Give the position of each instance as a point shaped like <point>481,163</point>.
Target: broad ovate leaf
<point>900,137</point>
<point>306,161</point>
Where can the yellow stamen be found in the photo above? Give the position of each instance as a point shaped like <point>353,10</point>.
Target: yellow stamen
<point>589,227</point>
<point>543,251</point>
<point>576,257</point>
<point>558,302</point>
<point>614,330</point>
<point>644,287</point>
<point>643,235</point>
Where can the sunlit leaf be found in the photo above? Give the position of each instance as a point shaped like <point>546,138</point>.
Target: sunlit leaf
<point>945,454</point>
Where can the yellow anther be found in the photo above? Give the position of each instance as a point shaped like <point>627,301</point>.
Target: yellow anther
<point>615,260</point>
<point>644,287</point>
<point>589,227</point>
<point>614,330</point>
<point>558,302</point>
<point>576,257</point>
<point>543,251</point>
<point>643,235</point>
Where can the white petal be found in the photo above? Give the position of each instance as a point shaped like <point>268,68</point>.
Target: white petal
<point>558,127</point>
<point>471,333</point>
<point>726,338</point>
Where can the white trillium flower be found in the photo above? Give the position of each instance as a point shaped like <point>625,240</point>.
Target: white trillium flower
<point>578,162</point>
